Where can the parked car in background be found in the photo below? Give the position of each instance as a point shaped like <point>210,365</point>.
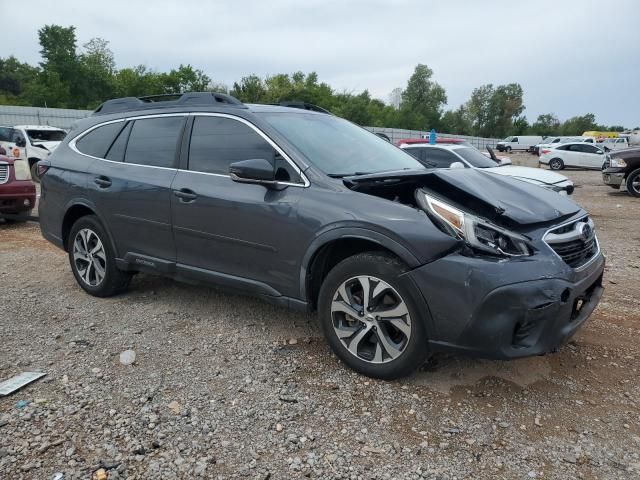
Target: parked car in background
<point>518,142</point>
<point>576,154</point>
<point>621,170</point>
<point>609,144</point>
<point>17,191</point>
<point>37,141</point>
<point>500,160</point>
<point>552,142</point>
<point>452,156</point>
<point>310,211</point>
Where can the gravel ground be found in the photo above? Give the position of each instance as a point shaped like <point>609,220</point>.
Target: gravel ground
<point>225,386</point>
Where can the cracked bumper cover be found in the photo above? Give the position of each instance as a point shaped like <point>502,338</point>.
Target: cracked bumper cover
<point>506,309</point>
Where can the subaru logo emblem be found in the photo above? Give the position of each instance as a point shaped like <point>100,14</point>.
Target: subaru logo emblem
<point>585,231</point>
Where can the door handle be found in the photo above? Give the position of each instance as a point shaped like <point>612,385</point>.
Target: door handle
<point>102,181</point>
<point>185,195</point>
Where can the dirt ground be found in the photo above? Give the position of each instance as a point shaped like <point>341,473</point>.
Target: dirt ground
<point>225,386</point>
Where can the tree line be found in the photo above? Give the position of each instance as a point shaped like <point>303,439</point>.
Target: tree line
<point>73,77</point>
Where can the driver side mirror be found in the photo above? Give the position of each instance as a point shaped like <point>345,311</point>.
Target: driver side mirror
<point>254,170</point>
<point>457,165</point>
<point>21,142</point>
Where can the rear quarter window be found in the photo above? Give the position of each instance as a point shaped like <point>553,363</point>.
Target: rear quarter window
<point>97,141</point>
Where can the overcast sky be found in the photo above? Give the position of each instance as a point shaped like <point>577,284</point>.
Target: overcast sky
<point>571,57</point>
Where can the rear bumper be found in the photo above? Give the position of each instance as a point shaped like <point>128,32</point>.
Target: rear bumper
<point>17,196</point>
<point>507,309</point>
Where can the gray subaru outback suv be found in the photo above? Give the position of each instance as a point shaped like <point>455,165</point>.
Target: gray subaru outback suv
<point>310,211</point>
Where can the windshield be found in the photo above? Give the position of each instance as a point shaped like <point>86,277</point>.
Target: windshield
<point>475,157</point>
<point>508,139</point>
<point>338,147</point>
<point>46,135</point>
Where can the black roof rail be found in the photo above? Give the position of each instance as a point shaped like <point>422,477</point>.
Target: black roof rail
<point>304,106</point>
<point>166,101</point>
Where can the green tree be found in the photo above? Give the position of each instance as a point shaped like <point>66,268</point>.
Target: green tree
<point>493,111</point>
<point>422,100</point>
<point>545,125</point>
<point>579,124</point>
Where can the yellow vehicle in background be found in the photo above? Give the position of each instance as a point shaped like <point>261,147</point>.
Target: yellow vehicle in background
<point>601,135</point>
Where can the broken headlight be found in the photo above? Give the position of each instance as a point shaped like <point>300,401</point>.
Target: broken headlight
<point>479,234</point>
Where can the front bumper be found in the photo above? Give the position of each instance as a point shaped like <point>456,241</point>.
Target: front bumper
<point>613,177</point>
<point>17,196</point>
<point>506,309</point>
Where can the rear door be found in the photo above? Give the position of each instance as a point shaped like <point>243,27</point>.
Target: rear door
<point>235,233</point>
<point>572,156</point>
<point>131,188</point>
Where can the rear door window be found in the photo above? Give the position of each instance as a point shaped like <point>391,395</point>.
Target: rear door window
<point>97,141</point>
<point>153,141</point>
<point>417,153</point>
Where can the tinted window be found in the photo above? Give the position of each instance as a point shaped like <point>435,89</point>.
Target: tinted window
<point>439,158</point>
<point>515,139</point>
<point>417,153</point>
<point>217,142</point>
<point>574,148</point>
<point>46,135</point>
<point>5,134</point>
<point>116,152</point>
<point>590,149</point>
<point>97,142</point>
<point>153,141</point>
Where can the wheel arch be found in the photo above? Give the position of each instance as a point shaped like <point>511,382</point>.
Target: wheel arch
<point>76,210</point>
<point>330,248</point>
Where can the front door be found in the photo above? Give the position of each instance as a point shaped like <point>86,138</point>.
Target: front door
<point>235,231</point>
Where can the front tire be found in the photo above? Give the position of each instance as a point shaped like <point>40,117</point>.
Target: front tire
<point>370,318</point>
<point>92,259</point>
<point>633,183</point>
<point>34,172</point>
<point>556,164</point>
<point>508,149</point>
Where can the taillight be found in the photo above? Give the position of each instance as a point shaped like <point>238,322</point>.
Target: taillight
<point>545,150</point>
<point>21,170</point>
<point>42,167</point>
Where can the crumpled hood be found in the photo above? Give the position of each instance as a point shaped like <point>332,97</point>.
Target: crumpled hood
<point>51,146</point>
<point>528,173</point>
<point>505,201</point>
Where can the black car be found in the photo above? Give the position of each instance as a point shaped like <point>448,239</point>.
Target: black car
<point>310,211</point>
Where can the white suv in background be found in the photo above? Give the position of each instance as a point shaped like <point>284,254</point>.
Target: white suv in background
<point>36,141</point>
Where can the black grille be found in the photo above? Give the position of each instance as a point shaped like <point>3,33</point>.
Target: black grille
<point>576,252</point>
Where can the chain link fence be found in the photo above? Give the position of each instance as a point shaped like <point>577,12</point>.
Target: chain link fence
<point>54,117</point>
<point>396,134</point>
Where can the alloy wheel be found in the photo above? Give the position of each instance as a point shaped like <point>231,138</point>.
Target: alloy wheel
<point>371,319</point>
<point>89,257</point>
<point>635,184</point>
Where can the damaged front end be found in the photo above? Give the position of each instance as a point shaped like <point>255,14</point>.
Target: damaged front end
<point>530,271</point>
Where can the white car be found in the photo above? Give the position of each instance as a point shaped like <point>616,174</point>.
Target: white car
<point>575,154</point>
<point>614,143</point>
<point>460,156</point>
<point>36,141</point>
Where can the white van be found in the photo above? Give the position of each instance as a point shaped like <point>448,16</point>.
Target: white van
<point>518,142</point>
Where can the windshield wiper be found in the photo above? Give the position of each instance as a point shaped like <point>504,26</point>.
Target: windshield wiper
<point>342,175</point>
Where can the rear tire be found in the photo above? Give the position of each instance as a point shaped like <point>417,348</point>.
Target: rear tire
<point>383,336</point>
<point>556,164</point>
<point>18,217</point>
<point>633,183</point>
<point>92,259</point>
